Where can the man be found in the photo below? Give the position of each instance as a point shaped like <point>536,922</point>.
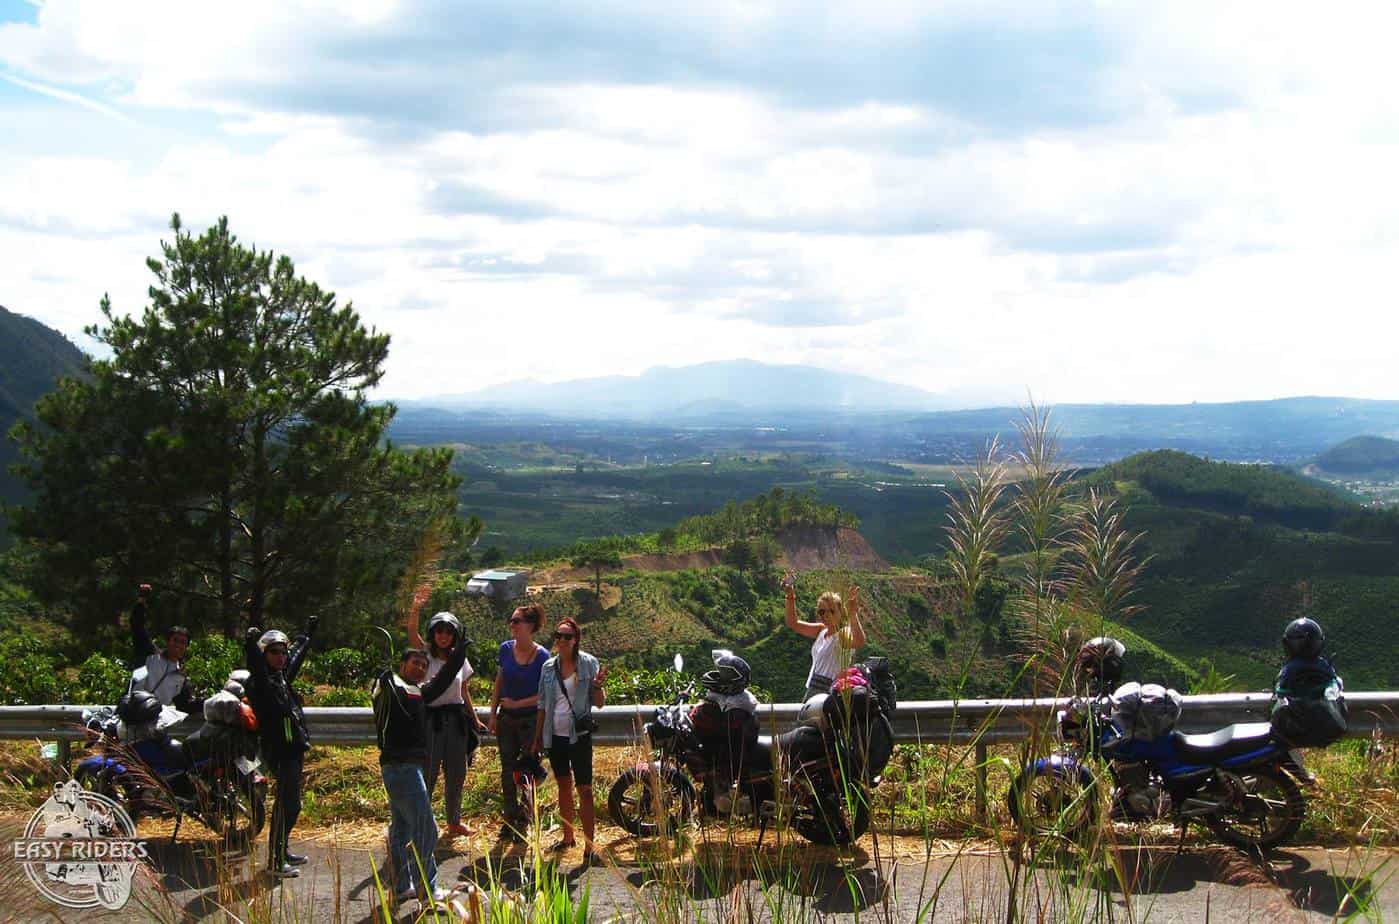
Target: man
<point>272,666</point>
<point>400,720</point>
<point>164,676</point>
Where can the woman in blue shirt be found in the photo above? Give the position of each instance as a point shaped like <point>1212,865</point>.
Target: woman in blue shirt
<point>514,701</point>
<point>570,685</point>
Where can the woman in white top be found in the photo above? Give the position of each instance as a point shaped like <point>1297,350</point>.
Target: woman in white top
<point>836,636</point>
<point>451,718</point>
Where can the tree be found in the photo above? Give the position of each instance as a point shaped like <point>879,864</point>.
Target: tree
<point>666,539</point>
<point>595,558</point>
<point>739,554</point>
<point>227,452</point>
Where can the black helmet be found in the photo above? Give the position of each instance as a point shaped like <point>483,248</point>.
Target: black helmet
<point>1303,638</point>
<point>443,618</point>
<point>138,707</point>
<point>1101,659</point>
<point>730,674</point>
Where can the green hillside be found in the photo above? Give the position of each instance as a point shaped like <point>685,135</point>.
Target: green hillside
<point>1363,455</point>
<point>32,358</point>
<point>1239,550</point>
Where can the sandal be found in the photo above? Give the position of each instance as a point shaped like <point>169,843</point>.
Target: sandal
<point>561,845</point>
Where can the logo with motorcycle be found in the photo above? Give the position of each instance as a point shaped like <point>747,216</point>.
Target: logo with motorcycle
<point>80,849</point>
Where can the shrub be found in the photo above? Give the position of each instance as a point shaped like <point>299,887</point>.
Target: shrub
<point>341,666</point>
<point>210,660</point>
<point>32,674</point>
<point>339,696</point>
<point>101,680</point>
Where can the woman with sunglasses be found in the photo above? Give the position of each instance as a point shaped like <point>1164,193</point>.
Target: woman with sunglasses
<point>514,702</point>
<point>835,638</point>
<point>570,685</point>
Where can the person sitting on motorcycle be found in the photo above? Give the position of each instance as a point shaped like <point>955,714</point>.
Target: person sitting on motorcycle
<point>273,662</point>
<point>725,721</point>
<point>164,675</point>
<point>1098,665</point>
<point>835,638</point>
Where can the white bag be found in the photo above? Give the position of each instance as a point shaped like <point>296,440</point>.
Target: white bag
<point>1145,712</point>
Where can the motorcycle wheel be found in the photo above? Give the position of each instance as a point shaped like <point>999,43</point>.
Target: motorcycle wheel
<point>1046,802</point>
<point>1272,811</point>
<point>642,801</point>
<point>827,819</point>
<point>239,813</point>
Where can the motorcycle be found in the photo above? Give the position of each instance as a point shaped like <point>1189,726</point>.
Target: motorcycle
<point>1240,781</point>
<point>819,776</point>
<point>214,775</point>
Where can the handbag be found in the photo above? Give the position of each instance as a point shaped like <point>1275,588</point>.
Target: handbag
<point>585,725</point>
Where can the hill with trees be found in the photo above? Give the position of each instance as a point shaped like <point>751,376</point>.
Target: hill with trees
<point>1361,456</point>
<point>33,358</point>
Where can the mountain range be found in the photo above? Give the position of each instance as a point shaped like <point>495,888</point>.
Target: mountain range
<point>738,388</point>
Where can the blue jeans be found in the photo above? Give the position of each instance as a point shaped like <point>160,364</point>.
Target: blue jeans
<point>410,822</point>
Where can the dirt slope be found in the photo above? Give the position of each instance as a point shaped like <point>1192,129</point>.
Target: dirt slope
<point>808,548</point>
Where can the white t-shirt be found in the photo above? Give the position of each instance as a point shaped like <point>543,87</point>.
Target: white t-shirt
<point>563,717</point>
<point>825,656</point>
<point>451,695</point>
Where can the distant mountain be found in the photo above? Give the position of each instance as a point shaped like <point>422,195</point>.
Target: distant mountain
<point>731,389</point>
<point>32,358</point>
<point>1363,455</point>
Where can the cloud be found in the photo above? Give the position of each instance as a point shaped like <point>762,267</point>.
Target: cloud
<point>944,196</point>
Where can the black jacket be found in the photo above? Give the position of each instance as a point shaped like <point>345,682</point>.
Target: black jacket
<point>280,720</point>
<point>400,710</point>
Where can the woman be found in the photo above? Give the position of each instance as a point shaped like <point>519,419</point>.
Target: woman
<point>515,700</point>
<point>570,685</point>
<point>833,643</point>
<point>452,724</point>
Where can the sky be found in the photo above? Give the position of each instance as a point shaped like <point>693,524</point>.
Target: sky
<point>1087,202</point>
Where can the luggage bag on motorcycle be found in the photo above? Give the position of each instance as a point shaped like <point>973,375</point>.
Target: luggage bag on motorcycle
<point>1145,712</point>
<point>1311,721</point>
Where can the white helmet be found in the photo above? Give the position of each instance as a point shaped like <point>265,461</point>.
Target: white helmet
<point>443,618</point>
<point>240,676</point>
<point>273,637</point>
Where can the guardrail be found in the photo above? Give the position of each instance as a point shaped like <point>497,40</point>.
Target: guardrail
<point>978,722</point>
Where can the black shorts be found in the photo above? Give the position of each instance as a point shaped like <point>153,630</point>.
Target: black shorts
<point>575,760</point>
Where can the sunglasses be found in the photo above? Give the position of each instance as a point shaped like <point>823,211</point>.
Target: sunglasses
<point>518,620</point>
<point>564,636</point>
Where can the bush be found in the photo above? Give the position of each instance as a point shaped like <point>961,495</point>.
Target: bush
<point>339,696</point>
<point>210,660</point>
<point>348,667</point>
<point>32,674</point>
<point>101,681</point>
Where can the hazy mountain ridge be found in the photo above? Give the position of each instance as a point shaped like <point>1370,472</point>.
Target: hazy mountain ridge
<point>727,388</point>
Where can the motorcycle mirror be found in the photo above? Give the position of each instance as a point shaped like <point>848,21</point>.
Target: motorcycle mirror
<point>679,663</point>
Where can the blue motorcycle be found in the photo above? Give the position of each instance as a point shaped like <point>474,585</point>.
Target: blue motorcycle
<point>1240,781</point>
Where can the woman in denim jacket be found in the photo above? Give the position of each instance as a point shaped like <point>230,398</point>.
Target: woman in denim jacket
<point>570,685</point>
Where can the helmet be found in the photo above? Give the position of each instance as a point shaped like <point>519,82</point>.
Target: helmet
<point>529,770</point>
<point>273,637</point>
<point>235,688</point>
<point>443,619</point>
<point>241,675</point>
<point>1101,659</point>
<point>1303,638</point>
<point>730,674</point>
<point>138,707</point>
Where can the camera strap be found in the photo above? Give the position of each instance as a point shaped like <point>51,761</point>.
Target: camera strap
<point>563,688</point>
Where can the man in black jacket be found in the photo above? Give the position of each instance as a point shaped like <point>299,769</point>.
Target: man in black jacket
<point>273,664</point>
<point>400,721</point>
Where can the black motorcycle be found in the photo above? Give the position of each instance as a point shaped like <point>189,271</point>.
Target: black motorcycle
<point>214,775</point>
<point>1240,781</point>
<point>819,776</point>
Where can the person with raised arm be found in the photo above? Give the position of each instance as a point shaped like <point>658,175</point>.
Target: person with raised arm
<point>836,636</point>
<point>452,726</point>
<point>273,663</point>
<point>401,726</point>
<point>164,676</point>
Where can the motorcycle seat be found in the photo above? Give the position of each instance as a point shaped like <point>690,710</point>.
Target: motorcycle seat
<point>1229,741</point>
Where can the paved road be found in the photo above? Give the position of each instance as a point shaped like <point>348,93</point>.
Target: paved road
<point>721,882</point>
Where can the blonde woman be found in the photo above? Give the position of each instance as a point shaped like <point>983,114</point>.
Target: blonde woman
<point>835,637</point>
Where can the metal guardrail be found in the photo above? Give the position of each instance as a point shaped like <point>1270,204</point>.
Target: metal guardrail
<point>976,722</point>
<point>929,722</point>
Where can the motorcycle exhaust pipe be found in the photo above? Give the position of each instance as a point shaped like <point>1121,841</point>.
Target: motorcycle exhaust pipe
<point>1195,808</point>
